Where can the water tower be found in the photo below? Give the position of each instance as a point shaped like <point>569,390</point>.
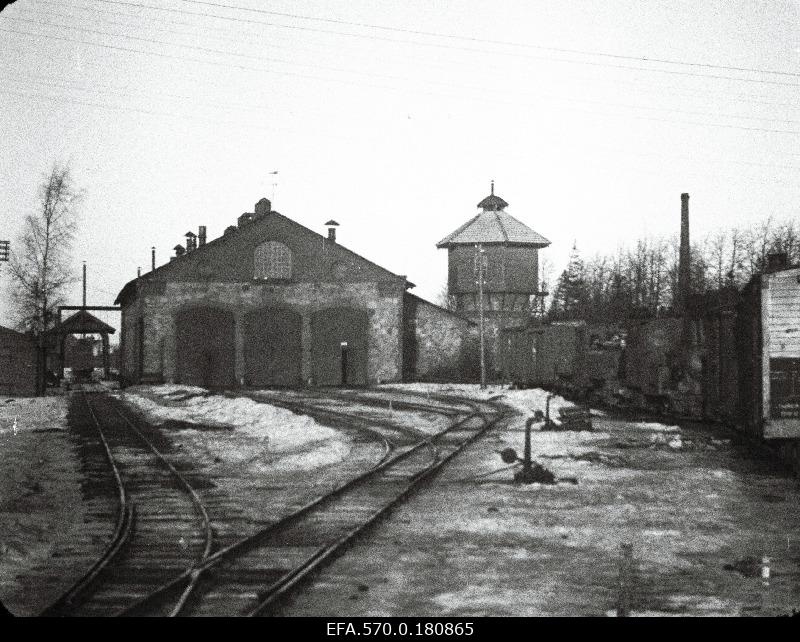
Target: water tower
<point>510,251</point>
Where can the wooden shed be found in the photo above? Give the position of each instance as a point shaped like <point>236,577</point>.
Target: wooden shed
<point>17,363</point>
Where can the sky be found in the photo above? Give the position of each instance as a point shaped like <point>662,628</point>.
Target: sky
<point>393,117</point>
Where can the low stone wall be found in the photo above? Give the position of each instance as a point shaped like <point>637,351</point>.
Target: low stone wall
<point>437,343</point>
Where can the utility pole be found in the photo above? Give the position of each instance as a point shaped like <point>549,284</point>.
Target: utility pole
<point>480,260</point>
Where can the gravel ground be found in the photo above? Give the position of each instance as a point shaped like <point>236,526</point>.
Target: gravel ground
<point>697,512</point>
<point>41,505</point>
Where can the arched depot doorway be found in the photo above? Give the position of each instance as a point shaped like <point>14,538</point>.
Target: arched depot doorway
<point>205,345</point>
<point>339,346</point>
<point>272,347</point>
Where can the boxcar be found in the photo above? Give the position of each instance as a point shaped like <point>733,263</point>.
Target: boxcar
<point>548,355</point>
<point>652,352</point>
<point>768,331</point>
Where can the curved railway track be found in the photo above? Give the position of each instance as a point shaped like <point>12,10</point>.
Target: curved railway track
<point>161,562</point>
<point>162,526</point>
<point>253,575</point>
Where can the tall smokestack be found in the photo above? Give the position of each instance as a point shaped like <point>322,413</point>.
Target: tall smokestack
<point>684,261</point>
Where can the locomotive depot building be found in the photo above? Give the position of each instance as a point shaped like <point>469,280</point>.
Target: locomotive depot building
<point>273,303</point>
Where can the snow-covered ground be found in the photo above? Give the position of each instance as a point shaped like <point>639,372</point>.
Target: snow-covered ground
<point>258,435</point>
<point>525,401</point>
<point>32,413</point>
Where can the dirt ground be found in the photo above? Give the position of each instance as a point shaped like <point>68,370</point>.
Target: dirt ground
<point>41,506</point>
<point>696,514</point>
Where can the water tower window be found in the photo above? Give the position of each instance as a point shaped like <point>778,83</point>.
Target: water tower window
<point>273,260</point>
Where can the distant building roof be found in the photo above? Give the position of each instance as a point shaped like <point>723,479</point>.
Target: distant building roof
<point>494,225</point>
<point>83,323</point>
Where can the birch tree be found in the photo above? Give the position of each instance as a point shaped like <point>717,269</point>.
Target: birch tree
<point>39,266</point>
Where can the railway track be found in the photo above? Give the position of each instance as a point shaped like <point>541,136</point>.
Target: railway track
<point>160,560</point>
<point>162,526</point>
<point>255,574</point>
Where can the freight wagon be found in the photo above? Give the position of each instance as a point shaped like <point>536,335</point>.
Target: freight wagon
<point>678,365</point>
<point>547,356</point>
<point>769,353</point>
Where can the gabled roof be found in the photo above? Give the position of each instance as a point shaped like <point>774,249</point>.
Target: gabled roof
<point>83,323</point>
<point>492,226</point>
<point>15,333</point>
<point>130,287</point>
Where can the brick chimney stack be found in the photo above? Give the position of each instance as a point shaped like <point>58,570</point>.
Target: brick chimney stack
<point>201,236</point>
<point>332,225</point>
<point>684,261</point>
<point>191,241</point>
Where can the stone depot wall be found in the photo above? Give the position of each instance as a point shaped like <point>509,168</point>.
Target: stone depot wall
<point>158,304</point>
<point>437,344</point>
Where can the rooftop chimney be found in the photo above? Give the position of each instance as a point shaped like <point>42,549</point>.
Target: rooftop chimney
<point>244,219</point>
<point>263,207</point>
<point>179,250</point>
<point>191,241</point>
<point>229,229</point>
<point>684,260</point>
<point>153,257</point>
<point>201,236</point>
<point>332,225</point>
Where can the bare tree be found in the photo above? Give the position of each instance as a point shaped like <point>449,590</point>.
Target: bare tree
<point>40,267</point>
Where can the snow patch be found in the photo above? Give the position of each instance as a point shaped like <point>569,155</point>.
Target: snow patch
<point>262,435</point>
<point>655,426</point>
<point>19,414</point>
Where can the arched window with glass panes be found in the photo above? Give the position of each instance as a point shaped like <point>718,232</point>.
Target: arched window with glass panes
<point>273,260</point>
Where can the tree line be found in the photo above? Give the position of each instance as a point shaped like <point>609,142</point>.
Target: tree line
<point>642,280</point>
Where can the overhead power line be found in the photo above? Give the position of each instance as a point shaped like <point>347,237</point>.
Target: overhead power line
<point>496,71</point>
<point>639,83</point>
<point>370,36</point>
<point>393,77</point>
<point>507,43</point>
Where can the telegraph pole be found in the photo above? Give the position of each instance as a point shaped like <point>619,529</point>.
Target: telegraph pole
<point>480,258</point>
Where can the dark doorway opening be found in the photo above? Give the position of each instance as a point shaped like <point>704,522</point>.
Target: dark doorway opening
<point>272,347</point>
<point>205,347</point>
<point>339,346</point>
